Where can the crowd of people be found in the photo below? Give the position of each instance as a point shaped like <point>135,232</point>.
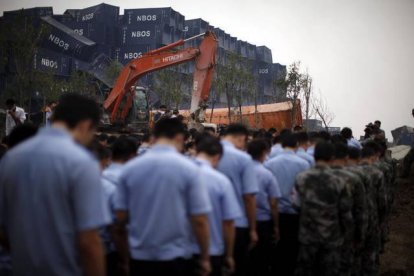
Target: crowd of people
<point>184,202</point>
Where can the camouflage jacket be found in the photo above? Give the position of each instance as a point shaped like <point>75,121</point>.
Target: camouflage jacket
<point>376,194</point>
<point>325,207</point>
<point>359,202</point>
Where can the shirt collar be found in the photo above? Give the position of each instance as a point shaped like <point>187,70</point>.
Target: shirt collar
<point>57,132</point>
<point>301,150</point>
<point>165,148</point>
<point>227,144</point>
<point>287,151</point>
<point>115,165</point>
<point>203,162</point>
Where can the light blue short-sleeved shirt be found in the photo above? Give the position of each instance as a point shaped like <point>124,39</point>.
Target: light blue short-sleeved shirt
<point>113,172</point>
<point>301,152</point>
<point>275,150</point>
<point>224,203</point>
<point>268,188</point>
<point>160,191</point>
<point>50,189</point>
<point>285,167</point>
<point>109,189</point>
<point>352,142</point>
<point>238,166</point>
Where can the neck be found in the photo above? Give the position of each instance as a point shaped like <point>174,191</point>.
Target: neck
<point>63,126</point>
<point>338,162</point>
<point>323,163</point>
<point>289,148</point>
<point>210,159</point>
<point>352,162</point>
<point>229,139</point>
<point>166,142</point>
<point>119,161</point>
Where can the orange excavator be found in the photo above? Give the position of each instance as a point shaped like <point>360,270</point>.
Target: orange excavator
<point>121,97</point>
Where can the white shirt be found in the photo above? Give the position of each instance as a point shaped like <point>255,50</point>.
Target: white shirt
<point>10,123</point>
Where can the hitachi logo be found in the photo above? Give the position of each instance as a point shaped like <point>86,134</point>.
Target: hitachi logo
<point>146,17</point>
<point>59,42</point>
<point>141,34</point>
<point>49,63</point>
<point>172,58</point>
<point>132,55</point>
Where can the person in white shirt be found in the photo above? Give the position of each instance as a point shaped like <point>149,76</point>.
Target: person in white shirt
<point>15,116</point>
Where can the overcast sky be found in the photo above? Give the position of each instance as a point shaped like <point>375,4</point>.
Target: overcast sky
<point>359,52</point>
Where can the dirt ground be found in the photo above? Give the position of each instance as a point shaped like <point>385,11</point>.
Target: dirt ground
<point>398,258</point>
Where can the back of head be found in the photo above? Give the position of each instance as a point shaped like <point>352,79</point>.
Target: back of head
<point>21,133</point>
<point>236,130</point>
<point>354,153</point>
<point>289,140</point>
<point>324,136</point>
<point>302,137</point>
<point>337,138</point>
<point>75,108</point>
<point>99,151</point>
<point>367,152</point>
<point>209,145</point>
<point>374,146</point>
<point>10,102</point>
<point>341,150</point>
<point>103,137</point>
<point>324,151</point>
<point>123,149</point>
<point>168,128</point>
<point>257,148</point>
<point>346,132</point>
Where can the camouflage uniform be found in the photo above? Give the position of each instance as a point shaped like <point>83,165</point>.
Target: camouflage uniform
<point>376,199</point>
<point>325,216</point>
<point>387,169</point>
<point>353,241</point>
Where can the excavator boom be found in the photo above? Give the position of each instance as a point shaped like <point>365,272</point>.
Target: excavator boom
<point>205,59</point>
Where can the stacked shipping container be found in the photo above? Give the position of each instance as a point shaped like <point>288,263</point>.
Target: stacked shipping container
<point>87,40</point>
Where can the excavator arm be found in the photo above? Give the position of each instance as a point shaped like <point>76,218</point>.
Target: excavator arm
<point>205,59</point>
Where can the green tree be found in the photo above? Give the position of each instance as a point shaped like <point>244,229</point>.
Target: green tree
<point>19,41</point>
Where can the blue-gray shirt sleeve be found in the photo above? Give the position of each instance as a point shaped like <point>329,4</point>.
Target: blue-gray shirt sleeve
<point>198,201</point>
<point>121,195</point>
<point>88,197</point>
<point>229,204</point>
<point>273,187</point>
<point>249,179</point>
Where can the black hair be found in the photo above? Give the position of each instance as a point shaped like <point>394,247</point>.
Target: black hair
<point>99,151</point>
<point>272,130</point>
<point>163,106</point>
<point>324,136</point>
<point>123,148</point>
<point>367,152</point>
<point>75,108</point>
<point>21,133</point>
<point>257,147</point>
<point>102,137</point>
<point>237,129</point>
<point>324,151</point>
<point>341,150</point>
<point>10,102</point>
<point>354,153</point>
<point>313,136</point>
<point>146,137</point>
<point>297,128</point>
<point>337,138</point>
<point>302,137</point>
<point>175,112</point>
<point>209,145</point>
<point>377,122</point>
<point>207,129</point>
<point>374,146</point>
<point>169,128</point>
<point>111,140</point>
<point>346,132</point>
<point>289,140</point>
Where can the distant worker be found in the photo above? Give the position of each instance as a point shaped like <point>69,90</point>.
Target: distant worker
<point>160,204</point>
<point>160,113</point>
<point>381,132</point>
<point>146,143</point>
<point>52,202</point>
<point>175,113</point>
<point>15,116</point>
<point>267,209</point>
<point>238,166</point>
<point>49,112</point>
<point>224,203</point>
<point>346,132</point>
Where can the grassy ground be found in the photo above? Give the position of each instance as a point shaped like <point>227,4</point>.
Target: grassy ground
<point>398,258</point>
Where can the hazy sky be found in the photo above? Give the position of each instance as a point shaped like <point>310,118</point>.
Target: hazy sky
<point>359,52</point>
